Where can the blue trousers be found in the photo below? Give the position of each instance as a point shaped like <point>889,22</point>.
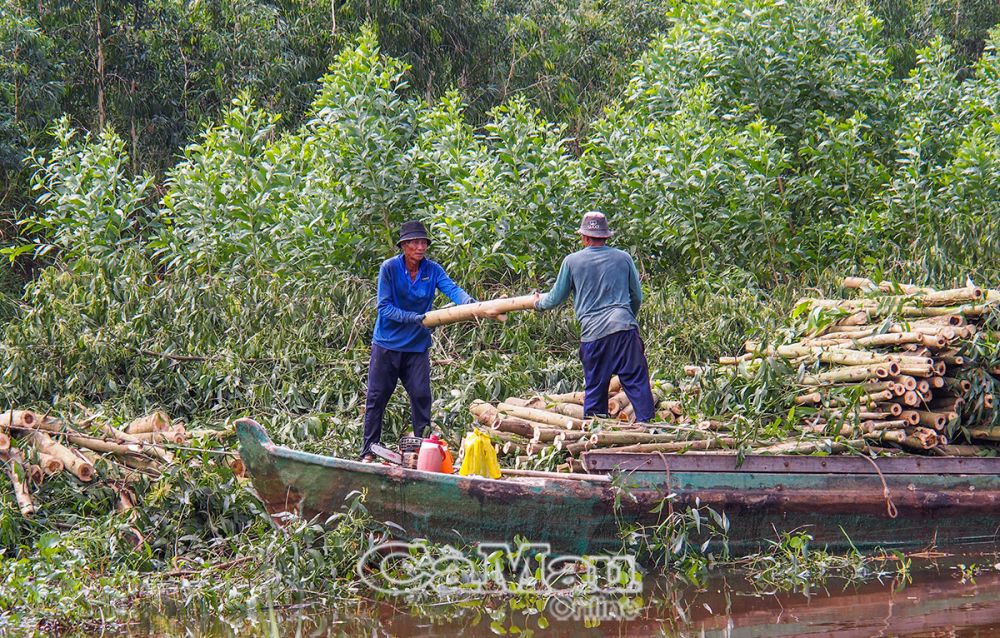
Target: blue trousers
<point>624,354</point>
<point>385,368</point>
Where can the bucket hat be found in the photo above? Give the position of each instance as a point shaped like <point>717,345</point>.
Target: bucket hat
<point>594,224</point>
<point>412,230</point>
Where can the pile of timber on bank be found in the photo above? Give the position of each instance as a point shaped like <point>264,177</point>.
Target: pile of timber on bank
<point>36,447</point>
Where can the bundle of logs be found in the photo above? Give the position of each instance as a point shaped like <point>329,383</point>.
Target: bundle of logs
<point>902,364</point>
<point>34,448</point>
<point>900,368</point>
<point>528,427</point>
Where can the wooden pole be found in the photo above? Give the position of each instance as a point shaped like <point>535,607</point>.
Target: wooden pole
<point>16,472</point>
<point>540,416</point>
<point>158,421</point>
<point>480,310</point>
<point>571,410</point>
<point>544,434</point>
<point>617,403</point>
<point>50,464</point>
<point>676,446</point>
<point>853,373</point>
<point>569,397</point>
<point>77,465</point>
<point>608,439</point>
<point>16,419</point>
<point>806,447</point>
<point>596,478</point>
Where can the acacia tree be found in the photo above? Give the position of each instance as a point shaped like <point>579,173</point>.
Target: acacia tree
<point>911,25</point>
<point>29,93</point>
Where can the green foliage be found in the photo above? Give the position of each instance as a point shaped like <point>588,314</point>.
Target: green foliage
<point>760,150</point>
<point>248,286</point>
<point>567,58</point>
<point>157,70</point>
<point>29,86</point>
<point>686,541</point>
<point>197,528</point>
<point>790,564</point>
<point>89,204</point>
<point>780,61</point>
<point>909,25</point>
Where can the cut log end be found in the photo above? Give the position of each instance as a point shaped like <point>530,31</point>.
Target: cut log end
<point>86,472</point>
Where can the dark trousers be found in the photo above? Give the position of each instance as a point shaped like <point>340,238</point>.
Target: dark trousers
<point>385,368</point>
<point>624,354</point>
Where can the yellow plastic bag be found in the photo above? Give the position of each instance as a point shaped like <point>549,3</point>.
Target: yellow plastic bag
<point>479,456</point>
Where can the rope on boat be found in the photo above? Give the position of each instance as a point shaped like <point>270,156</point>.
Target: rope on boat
<point>666,467</point>
<point>890,507</point>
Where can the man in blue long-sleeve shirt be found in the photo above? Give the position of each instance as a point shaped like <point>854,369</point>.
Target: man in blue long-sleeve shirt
<point>407,284</point>
<point>606,298</point>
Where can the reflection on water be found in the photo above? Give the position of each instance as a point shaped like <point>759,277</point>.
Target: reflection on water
<point>957,595</point>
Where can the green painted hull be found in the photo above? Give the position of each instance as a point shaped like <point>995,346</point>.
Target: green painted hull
<point>837,508</point>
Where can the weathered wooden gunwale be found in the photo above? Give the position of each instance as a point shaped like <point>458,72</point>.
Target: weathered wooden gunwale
<point>600,462</point>
<point>766,497</point>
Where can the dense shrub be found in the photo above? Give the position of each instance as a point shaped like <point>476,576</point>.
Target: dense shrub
<point>248,285</point>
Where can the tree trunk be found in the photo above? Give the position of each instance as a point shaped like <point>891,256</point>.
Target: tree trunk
<point>910,417</point>
<point>892,408</point>
<point>677,446</point>
<point>571,410</point>
<point>617,403</point>
<point>544,434</point>
<point>78,466</point>
<point>853,373</point>
<point>541,416</point>
<point>158,421</point>
<point>51,465</point>
<point>608,439</point>
<point>17,419</point>
<point>569,397</point>
<point>479,310</point>
<point>17,473</point>
<point>596,478</point>
<point>101,114</point>
<point>806,447</point>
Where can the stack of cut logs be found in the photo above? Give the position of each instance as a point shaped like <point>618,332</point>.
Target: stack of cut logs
<point>529,427</point>
<point>893,366</point>
<point>35,447</point>
<point>901,367</point>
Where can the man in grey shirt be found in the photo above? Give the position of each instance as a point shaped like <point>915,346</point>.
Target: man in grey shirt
<point>606,298</point>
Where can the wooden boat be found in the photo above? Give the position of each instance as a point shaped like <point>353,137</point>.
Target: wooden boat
<point>841,501</point>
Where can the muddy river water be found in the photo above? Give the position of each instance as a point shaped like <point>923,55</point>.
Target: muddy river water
<point>955,595</point>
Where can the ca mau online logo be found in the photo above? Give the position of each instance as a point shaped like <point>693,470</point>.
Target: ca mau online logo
<point>398,568</point>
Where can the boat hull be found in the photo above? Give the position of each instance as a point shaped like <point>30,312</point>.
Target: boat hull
<point>838,508</point>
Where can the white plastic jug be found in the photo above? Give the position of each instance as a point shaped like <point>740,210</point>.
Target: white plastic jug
<point>431,454</point>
